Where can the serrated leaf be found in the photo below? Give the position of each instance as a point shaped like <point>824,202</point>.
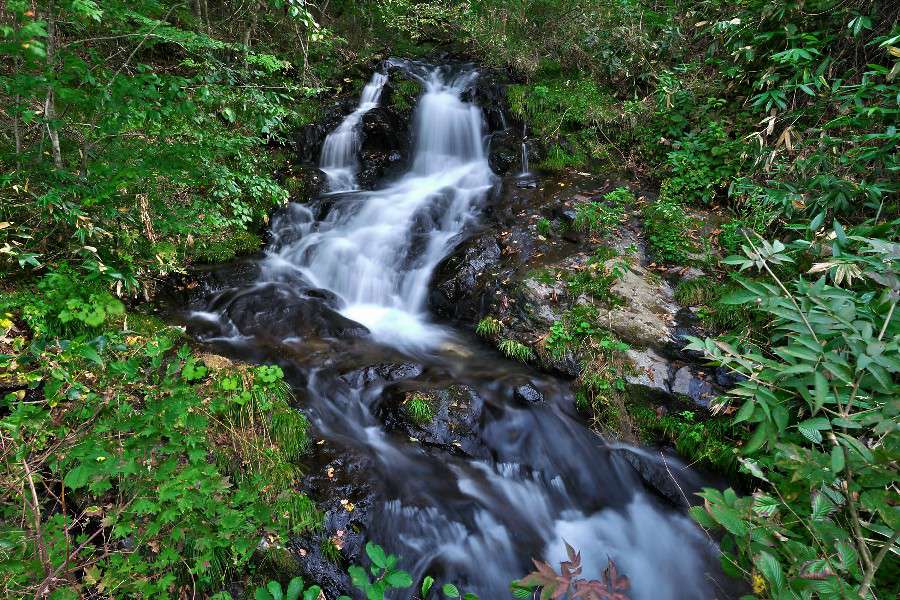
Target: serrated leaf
<point>770,568</point>
<point>821,507</point>
<point>812,428</point>
<point>837,459</point>
<point>728,518</point>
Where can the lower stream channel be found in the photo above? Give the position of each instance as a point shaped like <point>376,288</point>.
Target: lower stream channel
<point>508,470</point>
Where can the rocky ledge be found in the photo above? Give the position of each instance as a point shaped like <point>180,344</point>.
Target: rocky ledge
<point>548,288</point>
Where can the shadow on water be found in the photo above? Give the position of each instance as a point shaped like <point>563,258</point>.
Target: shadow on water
<point>507,473</point>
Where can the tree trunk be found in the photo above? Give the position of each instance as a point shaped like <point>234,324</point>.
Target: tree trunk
<point>16,133</point>
<point>205,10</point>
<point>195,8</point>
<point>255,8</point>
<point>50,102</point>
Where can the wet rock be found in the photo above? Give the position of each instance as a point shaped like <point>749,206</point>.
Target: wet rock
<point>285,312</point>
<point>304,182</point>
<point>343,490</point>
<point>308,142</point>
<point>528,394</point>
<point>384,147</point>
<point>505,152</point>
<point>489,93</point>
<point>456,286</point>
<point>450,424</point>
<point>657,477</point>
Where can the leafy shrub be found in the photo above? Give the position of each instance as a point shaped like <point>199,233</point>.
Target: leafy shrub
<point>384,571</point>
<point>187,467</point>
<point>668,229</point>
<point>820,405</point>
<point>603,216</point>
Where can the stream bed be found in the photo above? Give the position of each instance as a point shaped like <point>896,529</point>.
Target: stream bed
<point>505,470</point>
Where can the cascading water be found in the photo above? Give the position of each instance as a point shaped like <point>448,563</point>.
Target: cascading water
<point>528,476</point>
<point>526,171</point>
<point>339,152</point>
<point>377,251</point>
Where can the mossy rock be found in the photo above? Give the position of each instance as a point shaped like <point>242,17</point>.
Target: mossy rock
<point>228,245</point>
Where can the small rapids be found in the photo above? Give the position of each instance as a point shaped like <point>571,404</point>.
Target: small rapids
<point>531,476</point>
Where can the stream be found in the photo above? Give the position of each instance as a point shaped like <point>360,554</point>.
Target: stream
<point>340,300</point>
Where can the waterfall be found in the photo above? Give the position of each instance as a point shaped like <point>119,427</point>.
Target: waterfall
<point>526,477</point>
<point>339,152</point>
<point>525,170</point>
<point>378,252</point>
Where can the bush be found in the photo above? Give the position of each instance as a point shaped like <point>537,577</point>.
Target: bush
<point>669,229</point>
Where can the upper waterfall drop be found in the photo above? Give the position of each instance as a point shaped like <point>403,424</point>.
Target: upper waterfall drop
<point>377,251</point>
<point>339,152</point>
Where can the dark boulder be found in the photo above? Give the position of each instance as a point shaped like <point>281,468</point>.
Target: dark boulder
<point>459,284</point>
<point>505,152</point>
<point>384,147</point>
<point>275,311</point>
<point>308,142</point>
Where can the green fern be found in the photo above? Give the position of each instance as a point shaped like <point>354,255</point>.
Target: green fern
<point>516,350</point>
<point>488,327</point>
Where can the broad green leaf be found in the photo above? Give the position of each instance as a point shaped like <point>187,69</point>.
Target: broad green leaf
<point>295,586</point>
<point>427,582</point>
<point>312,593</point>
<point>450,590</point>
<point>376,555</point>
<point>821,507</point>
<point>812,428</point>
<point>275,590</point>
<point>837,459</point>
<point>728,518</point>
<point>399,579</point>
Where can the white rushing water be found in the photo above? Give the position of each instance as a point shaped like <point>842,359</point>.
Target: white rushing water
<point>376,250</point>
<point>339,152</point>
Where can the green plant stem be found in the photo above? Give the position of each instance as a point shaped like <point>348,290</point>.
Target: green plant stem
<point>876,562</point>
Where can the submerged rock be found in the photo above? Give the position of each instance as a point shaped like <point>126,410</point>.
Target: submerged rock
<point>443,417</point>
